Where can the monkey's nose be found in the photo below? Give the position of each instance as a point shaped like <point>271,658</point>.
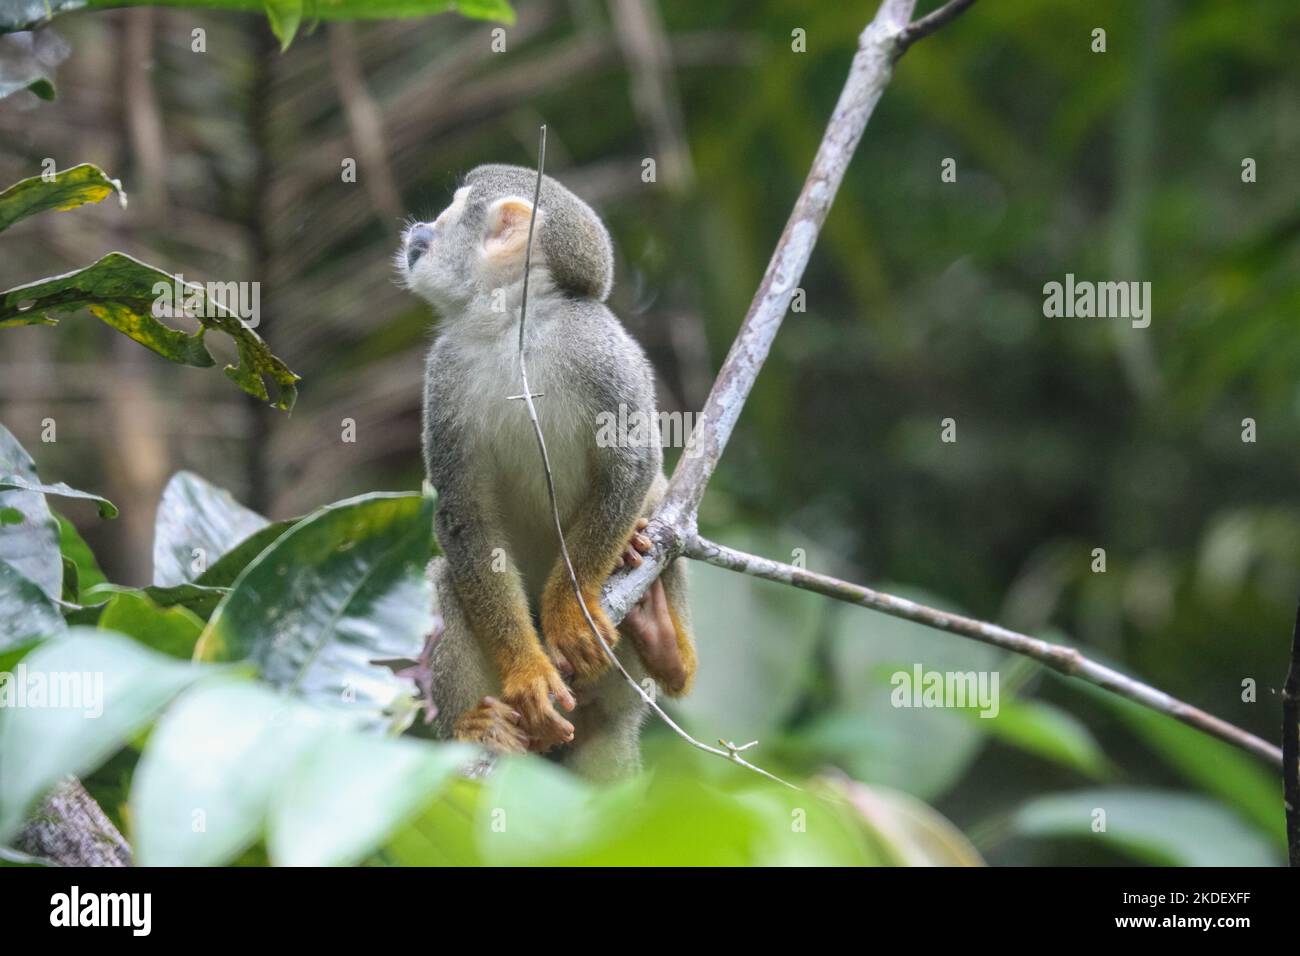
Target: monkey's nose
<point>417,243</point>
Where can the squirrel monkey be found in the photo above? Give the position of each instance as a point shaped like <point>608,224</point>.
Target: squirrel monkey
<point>513,622</point>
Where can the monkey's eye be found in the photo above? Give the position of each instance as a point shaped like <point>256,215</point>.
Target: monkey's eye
<point>417,243</point>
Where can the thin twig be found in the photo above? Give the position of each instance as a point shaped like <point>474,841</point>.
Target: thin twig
<point>1291,747</point>
<point>931,22</point>
<point>731,753</point>
<point>1065,660</point>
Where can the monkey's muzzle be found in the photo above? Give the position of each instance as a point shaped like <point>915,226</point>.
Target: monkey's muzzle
<point>417,244</point>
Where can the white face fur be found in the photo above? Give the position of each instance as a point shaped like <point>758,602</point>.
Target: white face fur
<point>460,261</point>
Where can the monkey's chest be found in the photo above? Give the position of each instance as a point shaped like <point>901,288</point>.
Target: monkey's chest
<point>505,447</point>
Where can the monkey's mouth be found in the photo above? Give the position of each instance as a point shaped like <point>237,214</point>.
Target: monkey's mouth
<point>417,244</point>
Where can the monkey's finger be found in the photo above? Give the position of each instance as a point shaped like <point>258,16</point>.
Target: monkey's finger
<point>642,543</point>
<point>642,523</point>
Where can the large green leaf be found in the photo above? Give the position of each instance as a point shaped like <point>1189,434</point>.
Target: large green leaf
<point>203,785</point>
<point>284,15</point>
<point>8,482</point>
<point>1046,731</point>
<point>197,523</point>
<point>1217,767</point>
<point>29,535</point>
<point>172,630</point>
<point>530,812</point>
<point>66,189</point>
<point>375,784</point>
<point>196,597</point>
<point>344,587</point>
<point>233,760</point>
<point>756,646</point>
<point>100,689</point>
<point>119,290</point>
<point>229,566</point>
<point>26,612</point>
<point>26,61</point>
<point>877,741</point>
<point>1165,828</point>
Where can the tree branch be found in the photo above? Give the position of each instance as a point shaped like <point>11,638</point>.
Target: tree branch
<point>70,829</point>
<point>931,22</point>
<point>879,46</point>
<point>1291,747</point>
<point>1065,660</point>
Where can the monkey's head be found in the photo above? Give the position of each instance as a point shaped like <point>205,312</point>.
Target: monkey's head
<point>477,244</point>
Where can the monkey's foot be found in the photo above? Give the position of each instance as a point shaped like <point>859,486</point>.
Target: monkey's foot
<point>566,630</point>
<point>528,689</point>
<point>494,725</point>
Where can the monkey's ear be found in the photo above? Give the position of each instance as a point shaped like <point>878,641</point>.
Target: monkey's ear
<point>507,230</point>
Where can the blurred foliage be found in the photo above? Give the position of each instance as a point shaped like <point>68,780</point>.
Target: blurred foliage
<point>923,303</point>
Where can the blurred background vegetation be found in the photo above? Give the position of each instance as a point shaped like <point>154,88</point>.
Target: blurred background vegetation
<point>924,302</point>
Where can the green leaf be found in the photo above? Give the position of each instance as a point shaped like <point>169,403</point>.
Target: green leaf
<point>230,565</point>
<point>350,792</point>
<point>121,292</point>
<point>757,659</point>
<point>196,520</point>
<point>26,612</point>
<point>1046,731</point>
<point>284,17</point>
<point>74,548</point>
<point>1164,828</point>
<point>204,783</point>
<point>171,630</point>
<point>342,588</point>
<point>106,508</point>
<point>1211,764</point>
<point>30,544</point>
<point>869,736</point>
<point>68,189</point>
<point>25,62</point>
<point>27,14</point>
<point>100,688</point>
<point>196,597</point>
<point>910,832</point>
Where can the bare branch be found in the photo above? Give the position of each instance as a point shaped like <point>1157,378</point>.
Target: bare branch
<point>931,22</point>
<point>70,829</point>
<point>1065,660</point>
<point>1291,747</point>
<point>675,518</point>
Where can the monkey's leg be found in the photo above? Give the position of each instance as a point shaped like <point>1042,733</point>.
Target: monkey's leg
<point>607,745</point>
<point>495,609</point>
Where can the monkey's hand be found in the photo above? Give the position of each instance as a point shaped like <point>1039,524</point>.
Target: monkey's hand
<point>667,656</point>
<point>567,632</point>
<point>528,689</point>
<point>494,725</point>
